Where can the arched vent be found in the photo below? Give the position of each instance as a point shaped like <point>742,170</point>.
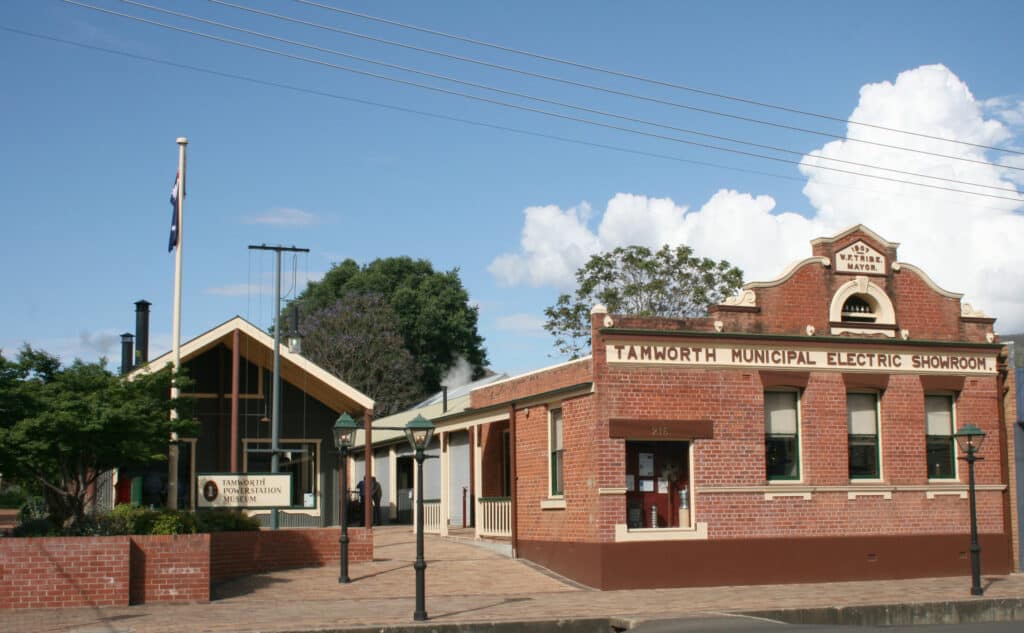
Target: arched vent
<point>859,309</point>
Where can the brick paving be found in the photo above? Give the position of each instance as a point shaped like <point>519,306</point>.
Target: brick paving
<point>464,584</point>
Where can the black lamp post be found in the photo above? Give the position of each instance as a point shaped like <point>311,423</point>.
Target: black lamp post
<point>419,431</point>
<point>344,436</point>
<point>969,438</point>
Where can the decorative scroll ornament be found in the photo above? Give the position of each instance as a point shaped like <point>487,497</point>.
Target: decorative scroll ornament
<point>990,337</point>
<point>608,322</point>
<point>904,334</point>
<point>718,326</point>
<point>745,299</point>
<point>968,310</point>
<point>810,330</point>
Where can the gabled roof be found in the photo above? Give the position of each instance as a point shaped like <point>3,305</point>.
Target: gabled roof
<point>257,347</point>
<point>431,408</point>
<point>855,229</point>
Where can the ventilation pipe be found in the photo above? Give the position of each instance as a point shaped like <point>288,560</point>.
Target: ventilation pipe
<point>127,341</point>
<point>444,399</point>
<point>142,332</point>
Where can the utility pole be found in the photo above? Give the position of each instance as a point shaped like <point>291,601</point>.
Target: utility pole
<point>275,420</point>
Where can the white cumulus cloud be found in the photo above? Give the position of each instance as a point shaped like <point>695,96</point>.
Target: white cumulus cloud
<point>966,243</point>
<point>284,216</point>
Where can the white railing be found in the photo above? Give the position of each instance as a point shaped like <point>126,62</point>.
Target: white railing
<point>496,516</point>
<point>432,516</point>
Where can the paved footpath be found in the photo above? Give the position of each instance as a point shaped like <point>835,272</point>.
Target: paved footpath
<point>464,584</point>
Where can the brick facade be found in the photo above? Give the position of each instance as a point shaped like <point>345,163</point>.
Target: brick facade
<point>703,401</point>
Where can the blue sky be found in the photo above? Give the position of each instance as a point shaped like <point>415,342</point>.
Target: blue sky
<point>90,153</point>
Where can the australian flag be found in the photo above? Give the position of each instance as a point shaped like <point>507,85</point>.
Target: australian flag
<point>174,216</point>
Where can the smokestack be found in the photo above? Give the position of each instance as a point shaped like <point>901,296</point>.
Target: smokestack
<point>142,332</point>
<point>444,399</point>
<point>126,352</point>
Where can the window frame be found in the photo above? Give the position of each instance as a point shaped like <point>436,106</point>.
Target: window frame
<point>556,456</point>
<point>955,476</point>
<point>878,475</point>
<point>797,439</point>
<point>317,474</point>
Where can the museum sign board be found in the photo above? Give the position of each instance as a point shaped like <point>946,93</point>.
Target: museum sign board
<point>244,490</point>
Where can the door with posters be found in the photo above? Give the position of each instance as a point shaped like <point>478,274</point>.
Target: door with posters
<point>657,484</point>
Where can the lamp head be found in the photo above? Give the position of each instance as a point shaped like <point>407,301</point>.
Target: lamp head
<point>969,438</point>
<point>294,336</point>
<point>345,431</point>
<point>419,432</point>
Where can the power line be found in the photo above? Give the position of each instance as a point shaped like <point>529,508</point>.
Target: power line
<point>581,84</point>
<point>560,103</point>
<point>525,108</point>
<point>659,82</point>
<point>435,115</point>
<point>444,117</point>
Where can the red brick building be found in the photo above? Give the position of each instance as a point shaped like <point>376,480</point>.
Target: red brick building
<point>802,431</point>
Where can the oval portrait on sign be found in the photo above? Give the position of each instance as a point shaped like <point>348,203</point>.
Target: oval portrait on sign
<point>210,491</point>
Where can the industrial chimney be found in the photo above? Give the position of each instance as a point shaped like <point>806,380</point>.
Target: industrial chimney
<point>127,339</point>
<point>142,332</point>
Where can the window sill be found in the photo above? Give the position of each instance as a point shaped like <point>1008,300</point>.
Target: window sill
<point>557,503</point>
<point>871,488</point>
<point>779,493</point>
<point>957,490</point>
<point>625,535</point>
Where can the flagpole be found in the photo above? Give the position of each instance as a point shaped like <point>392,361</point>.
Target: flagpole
<point>172,461</point>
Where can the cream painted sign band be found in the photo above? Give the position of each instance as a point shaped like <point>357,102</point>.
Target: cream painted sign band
<point>244,490</point>
<point>800,358</point>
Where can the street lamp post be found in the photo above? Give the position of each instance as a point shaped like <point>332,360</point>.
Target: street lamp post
<point>419,431</point>
<point>344,436</point>
<point>969,438</point>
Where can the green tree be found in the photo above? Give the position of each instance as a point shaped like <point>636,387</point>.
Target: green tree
<point>670,282</point>
<point>61,427</point>
<point>357,338</point>
<point>435,320</point>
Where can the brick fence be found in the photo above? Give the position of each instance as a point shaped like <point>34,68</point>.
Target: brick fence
<point>120,570</point>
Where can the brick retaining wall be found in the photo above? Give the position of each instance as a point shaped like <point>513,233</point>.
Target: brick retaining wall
<point>107,571</point>
<point>234,554</point>
<point>63,572</point>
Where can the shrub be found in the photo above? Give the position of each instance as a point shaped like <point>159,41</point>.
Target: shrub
<point>13,497</point>
<point>226,521</point>
<point>174,522</point>
<point>128,519</point>
<point>33,508</point>
<point>36,527</point>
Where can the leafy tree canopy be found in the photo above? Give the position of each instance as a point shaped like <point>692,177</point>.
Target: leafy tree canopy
<point>358,337</point>
<point>670,282</point>
<point>61,427</point>
<point>435,320</point>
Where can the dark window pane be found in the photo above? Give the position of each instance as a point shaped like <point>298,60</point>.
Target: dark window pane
<point>940,457</point>
<point>863,457</point>
<point>299,459</point>
<point>781,457</point>
<point>556,473</point>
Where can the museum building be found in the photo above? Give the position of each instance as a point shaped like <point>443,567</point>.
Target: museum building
<point>803,431</point>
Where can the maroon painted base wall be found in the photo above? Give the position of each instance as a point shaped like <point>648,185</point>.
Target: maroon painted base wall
<point>765,561</point>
